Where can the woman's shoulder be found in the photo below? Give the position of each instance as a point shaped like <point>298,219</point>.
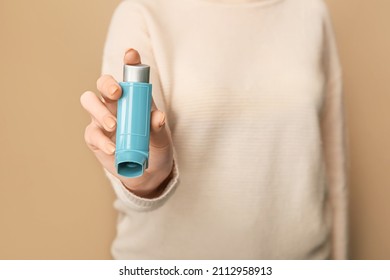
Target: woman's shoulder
<point>312,5</point>
<point>316,8</point>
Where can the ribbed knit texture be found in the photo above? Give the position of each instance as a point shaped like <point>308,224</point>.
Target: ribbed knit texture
<point>253,95</point>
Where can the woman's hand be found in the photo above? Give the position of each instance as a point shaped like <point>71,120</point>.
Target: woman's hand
<point>100,135</point>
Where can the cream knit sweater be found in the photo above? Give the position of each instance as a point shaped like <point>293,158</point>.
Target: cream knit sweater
<point>252,90</point>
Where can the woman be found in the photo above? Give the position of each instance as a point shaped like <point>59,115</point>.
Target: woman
<point>252,164</point>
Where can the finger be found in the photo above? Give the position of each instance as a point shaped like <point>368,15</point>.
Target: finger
<point>98,111</point>
<point>159,137</point>
<point>97,140</point>
<point>110,90</point>
<point>131,57</point>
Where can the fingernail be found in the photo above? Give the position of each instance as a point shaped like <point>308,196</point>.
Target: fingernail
<point>109,122</point>
<point>112,90</point>
<point>110,148</point>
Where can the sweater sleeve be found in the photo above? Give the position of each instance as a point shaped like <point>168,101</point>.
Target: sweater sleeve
<point>128,29</point>
<point>333,129</point>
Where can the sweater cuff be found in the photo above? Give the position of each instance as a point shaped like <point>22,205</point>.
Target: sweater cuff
<point>139,203</point>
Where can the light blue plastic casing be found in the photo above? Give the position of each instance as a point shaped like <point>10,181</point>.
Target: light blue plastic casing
<point>133,129</point>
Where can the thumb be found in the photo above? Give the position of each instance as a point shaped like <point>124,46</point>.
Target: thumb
<point>131,57</point>
<point>159,137</point>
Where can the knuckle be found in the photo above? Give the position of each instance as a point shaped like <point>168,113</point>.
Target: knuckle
<point>85,98</point>
<point>87,133</point>
<point>99,81</point>
<point>96,123</point>
<point>103,81</point>
<point>101,143</point>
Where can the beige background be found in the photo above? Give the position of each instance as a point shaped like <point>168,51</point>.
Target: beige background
<point>55,202</point>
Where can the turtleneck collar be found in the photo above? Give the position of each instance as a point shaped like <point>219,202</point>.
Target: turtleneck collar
<point>239,1</point>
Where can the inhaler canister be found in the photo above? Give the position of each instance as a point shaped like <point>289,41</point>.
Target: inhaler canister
<point>133,121</point>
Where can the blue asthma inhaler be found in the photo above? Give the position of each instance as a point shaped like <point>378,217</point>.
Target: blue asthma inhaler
<point>133,121</point>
